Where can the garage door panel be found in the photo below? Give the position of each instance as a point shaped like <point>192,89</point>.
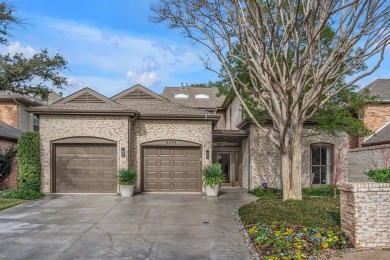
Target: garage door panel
<point>165,175</point>
<point>85,168</point>
<point>165,163</point>
<point>173,172</point>
<point>192,175</point>
<point>165,186</point>
<point>178,175</point>
<point>108,162</point>
<point>151,163</point>
<point>192,164</point>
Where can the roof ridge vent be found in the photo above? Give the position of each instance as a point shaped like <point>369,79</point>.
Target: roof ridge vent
<point>202,96</point>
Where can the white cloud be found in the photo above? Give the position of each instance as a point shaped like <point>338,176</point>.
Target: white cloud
<point>146,79</point>
<point>16,47</point>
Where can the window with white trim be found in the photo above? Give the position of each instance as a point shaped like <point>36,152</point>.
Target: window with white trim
<point>321,163</point>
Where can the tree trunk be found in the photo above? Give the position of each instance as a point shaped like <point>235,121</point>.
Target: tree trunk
<point>292,167</point>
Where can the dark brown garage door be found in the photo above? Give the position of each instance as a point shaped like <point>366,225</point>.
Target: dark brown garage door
<point>171,169</point>
<point>85,168</point>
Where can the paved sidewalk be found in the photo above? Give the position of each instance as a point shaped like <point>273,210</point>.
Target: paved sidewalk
<point>146,226</point>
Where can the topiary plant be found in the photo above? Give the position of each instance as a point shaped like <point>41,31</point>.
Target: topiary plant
<point>29,175</point>
<point>213,175</point>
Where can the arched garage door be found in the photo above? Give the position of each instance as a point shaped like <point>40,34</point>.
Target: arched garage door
<point>85,168</point>
<point>172,169</point>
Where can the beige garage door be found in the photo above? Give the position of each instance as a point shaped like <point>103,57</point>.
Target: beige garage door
<point>171,169</point>
<point>85,168</point>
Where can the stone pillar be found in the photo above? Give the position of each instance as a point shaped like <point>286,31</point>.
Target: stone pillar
<point>365,214</point>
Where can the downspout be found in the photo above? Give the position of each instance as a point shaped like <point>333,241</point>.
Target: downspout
<point>131,120</point>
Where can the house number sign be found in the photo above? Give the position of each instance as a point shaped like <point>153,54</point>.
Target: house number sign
<point>170,142</point>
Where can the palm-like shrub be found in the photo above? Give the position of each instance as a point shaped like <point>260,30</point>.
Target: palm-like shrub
<point>213,175</point>
<point>127,176</point>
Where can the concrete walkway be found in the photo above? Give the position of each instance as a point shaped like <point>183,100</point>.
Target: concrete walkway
<point>147,226</point>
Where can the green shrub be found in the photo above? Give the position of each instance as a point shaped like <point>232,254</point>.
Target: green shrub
<point>266,192</point>
<point>22,194</point>
<point>326,191</point>
<point>6,160</point>
<point>380,175</point>
<point>29,174</point>
<point>127,176</point>
<point>213,175</point>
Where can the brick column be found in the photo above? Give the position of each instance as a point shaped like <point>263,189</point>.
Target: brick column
<point>365,214</point>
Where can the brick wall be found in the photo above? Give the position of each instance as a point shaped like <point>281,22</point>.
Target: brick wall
<point>143,131</point>
<point>361,161</point>
<point>55,127</point>
<point>375,116</point>
<point>11,181</point>
<point>265,158</point>
<point>365,214</point>
<point>9,113</point>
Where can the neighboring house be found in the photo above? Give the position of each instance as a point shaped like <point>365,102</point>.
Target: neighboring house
<point>376,115</point>
<point>372,151</point>
<point>168,138</point>
<point>9,136</point>
<point>13,110</point>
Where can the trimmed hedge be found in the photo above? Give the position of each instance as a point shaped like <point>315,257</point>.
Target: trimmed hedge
<point>29,175</point>
<point>380,175</point>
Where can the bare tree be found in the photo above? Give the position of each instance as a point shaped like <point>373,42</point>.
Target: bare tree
<point>293,70</point>
<point>339,171</point>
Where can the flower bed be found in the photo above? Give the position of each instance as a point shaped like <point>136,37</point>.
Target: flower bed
<point>280,241</point>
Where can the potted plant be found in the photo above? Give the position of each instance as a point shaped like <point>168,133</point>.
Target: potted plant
<point>127,179</point>
<point>213,177</point>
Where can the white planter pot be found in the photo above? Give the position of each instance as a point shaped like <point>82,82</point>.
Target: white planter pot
<point>126,190</point>
<point>212,191</point>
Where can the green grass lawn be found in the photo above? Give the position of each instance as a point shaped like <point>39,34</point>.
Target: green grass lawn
<point>6,203</point>
<point>311,212</point>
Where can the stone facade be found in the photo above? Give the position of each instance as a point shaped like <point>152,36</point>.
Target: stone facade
<point>365,214</point>
<point>9,113</point>
<point>11,181</point>
<point>245,171</point>
<point>56,127</point>
<point>375,116</point>
<point>144,131</point>
<point>364,159</point>
<point>265,160</point>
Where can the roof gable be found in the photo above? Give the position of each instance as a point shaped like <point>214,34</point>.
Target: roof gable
<point>138,92</point>
<point>86,96</point>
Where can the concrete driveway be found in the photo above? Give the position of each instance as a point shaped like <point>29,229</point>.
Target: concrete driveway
<point>147,226</point>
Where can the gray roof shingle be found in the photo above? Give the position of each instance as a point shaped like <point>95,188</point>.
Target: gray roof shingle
<point>381,88</point>
<point>380,137</point>
<point>212,102</point>
<point>9,132</point>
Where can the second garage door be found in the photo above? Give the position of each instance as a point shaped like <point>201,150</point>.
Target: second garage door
<point>85,168</point>
<point>174,169</point>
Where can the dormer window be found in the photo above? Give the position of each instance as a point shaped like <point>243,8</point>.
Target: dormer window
<point>202,96</point>
<point>181,96</point>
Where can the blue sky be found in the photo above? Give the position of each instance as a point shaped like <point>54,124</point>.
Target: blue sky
<point>111,45</point>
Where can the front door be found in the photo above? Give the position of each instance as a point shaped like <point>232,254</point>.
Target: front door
<point>230,164</point>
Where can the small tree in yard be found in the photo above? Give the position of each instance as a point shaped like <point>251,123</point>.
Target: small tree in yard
<point>297,55</point>
<point>338,170</point>
<point>384,161</point>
